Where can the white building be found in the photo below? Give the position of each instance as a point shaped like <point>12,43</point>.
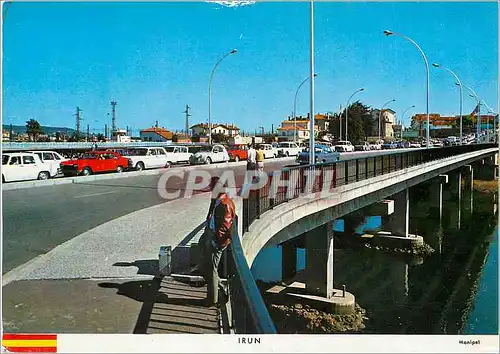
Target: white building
<point>227,129</point>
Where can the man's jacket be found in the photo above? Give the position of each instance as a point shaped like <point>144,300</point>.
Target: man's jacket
<point>222,220</point>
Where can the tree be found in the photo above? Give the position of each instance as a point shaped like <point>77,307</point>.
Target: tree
<point>219,138</point>
<point>58,136</point>
<point>175,138</point>
<point>269,138</point>
<point>33,129</point>
<point>76,137</point>
<point>360,123</point>
<point>100,137</point>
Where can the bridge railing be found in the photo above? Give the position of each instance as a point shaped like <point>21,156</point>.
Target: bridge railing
<point>248,311</point>
<point>293,180</point>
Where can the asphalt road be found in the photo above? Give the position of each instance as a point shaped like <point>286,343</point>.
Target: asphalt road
<point>35,220</point>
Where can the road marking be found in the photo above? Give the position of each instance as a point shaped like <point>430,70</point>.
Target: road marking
<point>94,194</point>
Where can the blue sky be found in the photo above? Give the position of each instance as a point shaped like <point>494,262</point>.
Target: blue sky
<point>154,58</point>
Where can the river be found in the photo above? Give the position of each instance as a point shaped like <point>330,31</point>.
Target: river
<point>452,291</point>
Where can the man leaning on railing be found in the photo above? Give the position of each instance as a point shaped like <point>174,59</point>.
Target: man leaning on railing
<point>217,237</point>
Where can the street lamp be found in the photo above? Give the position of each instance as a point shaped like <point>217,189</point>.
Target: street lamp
<point>210,95</point>
<point>346,109</point>
<point>380,117</point>
<point>436,65</point>
<point>389,33</point>
<point>478,121</point>
<point>312,159</point>
<point>295,108</point>
<point>490,110</point>
<point>403,117</point>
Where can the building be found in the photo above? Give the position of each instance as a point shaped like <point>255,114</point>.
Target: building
<point>287,133</point>
<point>386,120</point>
<point>156,134</point>
<point>301,125</point>
<point>201,129</point>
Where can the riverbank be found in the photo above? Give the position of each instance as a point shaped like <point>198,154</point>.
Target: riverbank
<point>486,186</point>
<point>292,317</point>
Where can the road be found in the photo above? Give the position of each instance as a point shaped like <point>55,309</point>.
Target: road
<point>35,220</point>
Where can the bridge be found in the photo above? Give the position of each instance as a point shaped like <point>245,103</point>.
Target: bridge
<point>316,196</point>
<point>118,229</point>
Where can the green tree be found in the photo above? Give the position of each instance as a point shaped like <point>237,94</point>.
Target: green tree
<point>33,129</point>
<point>76,137</point>
<point>219,138</point>
<point>100,137</point>
<point>58,136</point>
<point>269,138</point>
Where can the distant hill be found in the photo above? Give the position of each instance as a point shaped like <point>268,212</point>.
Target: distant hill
<point>21,129</point>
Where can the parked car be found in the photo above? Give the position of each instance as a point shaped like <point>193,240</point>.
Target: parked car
<point>23,166</point>
<point>237,152</point>
<point>95,162</point>
<point>362,147</point>
<point>344,146</point>
<point>322,154</point>
<point>389,145</point>
<point>177,154</point>
<point>148,157</point>
<point>209,154</point>
<point>52,158</point>
<point>269,151</point>
<point>415,144</point>
<point>288,149</point>
<point>376,145</point>
<point>403,144</point>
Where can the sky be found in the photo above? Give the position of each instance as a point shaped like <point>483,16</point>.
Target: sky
<point>154,58</point>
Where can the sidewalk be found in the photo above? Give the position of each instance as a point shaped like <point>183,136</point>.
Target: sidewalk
<point>74,287</point>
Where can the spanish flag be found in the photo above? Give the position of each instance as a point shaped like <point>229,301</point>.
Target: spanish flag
<point>29,343</point>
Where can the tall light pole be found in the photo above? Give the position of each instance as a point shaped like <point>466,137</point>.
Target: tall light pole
<point>210,95</point>
<point>490,110</point>
<point>403,117</point>
<point>347,108</point>
<point>478,120</point>
<point>389,33</point>
<point>380,117</point>
<point>436,65</point>
<point>295,108</point>
<point>312,159</point>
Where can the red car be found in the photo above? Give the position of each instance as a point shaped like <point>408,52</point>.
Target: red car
<point>237,152</point>
<point>94,162</point>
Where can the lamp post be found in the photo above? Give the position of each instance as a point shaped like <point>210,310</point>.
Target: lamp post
<point>436,65</point>
<point>490,110</point>
<point>295,108</point>
<point>347,108</point>
<point>389,33</point>
<point>380,117</point>
<point>478,121</point>
<point>312,159</point>
<point>403,117</point>
<point>210,94</point>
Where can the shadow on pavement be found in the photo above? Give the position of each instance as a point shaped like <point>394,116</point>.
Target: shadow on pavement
<point>169,306</point>
<point>145,266</point>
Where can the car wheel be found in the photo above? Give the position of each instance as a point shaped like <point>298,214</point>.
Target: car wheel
<point>237,159</point>
<point>168,164</point>
<point>139,166</point>
<point>209,161</point>
<point>43,175</point>
<point>86,171</point>
<point>119,169</point>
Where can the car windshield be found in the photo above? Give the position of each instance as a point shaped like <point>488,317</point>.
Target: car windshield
<point>196,149</point>
<point>5,159</point>
<point>138,152</point>
<point>89,156</point>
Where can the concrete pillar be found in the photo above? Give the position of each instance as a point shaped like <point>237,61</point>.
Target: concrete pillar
<point>398,223</point>
<point>320,261</point>
<point>468,170</point>
<point>288,260</point>
<point>442,179</point>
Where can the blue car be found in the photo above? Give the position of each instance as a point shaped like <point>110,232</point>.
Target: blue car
<point>389,145</point>
<point>323,154</point>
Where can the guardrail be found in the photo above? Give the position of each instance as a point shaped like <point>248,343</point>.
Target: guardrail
<point>248,311</point>
<point>13,146</point>
<point>294,179</point>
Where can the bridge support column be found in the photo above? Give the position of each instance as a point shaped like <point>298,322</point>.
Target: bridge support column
<point>398,223</point>
<point>288,260</point>
<point>319,261</point>
<point>468,170</point>
<point>442,179</point>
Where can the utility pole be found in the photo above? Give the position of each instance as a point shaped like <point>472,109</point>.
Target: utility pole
<point>113,117</point>
<point>106,131</point>
<point>88,132</point>
<point>11,135</point>
<point>156,125</point>
<point>187,118</point>
<point>78,120</point>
